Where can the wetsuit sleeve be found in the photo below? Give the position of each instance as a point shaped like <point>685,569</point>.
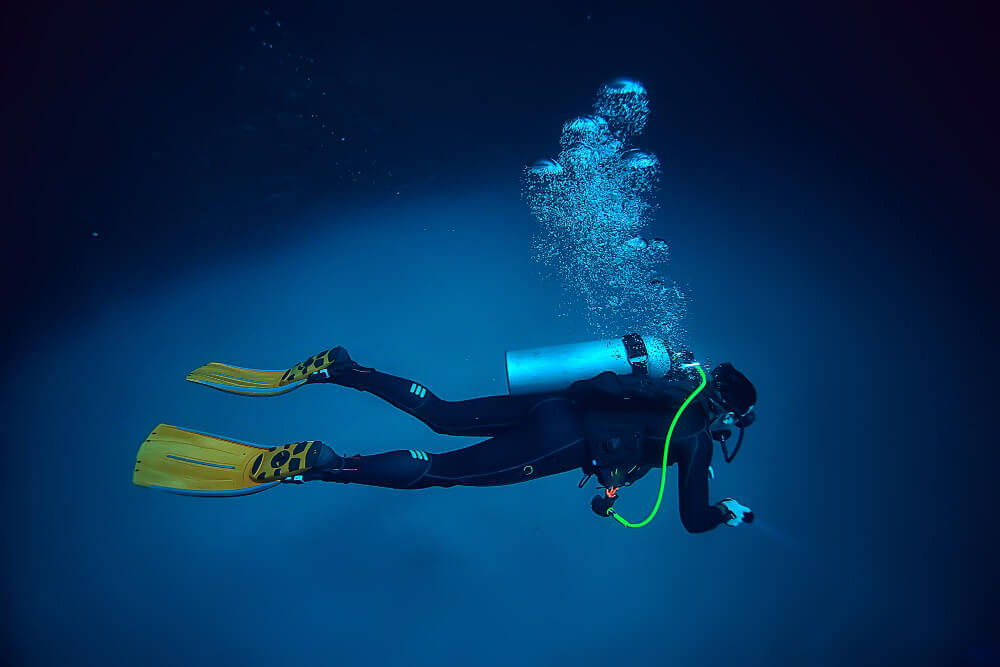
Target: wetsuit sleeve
<point>692,473</point>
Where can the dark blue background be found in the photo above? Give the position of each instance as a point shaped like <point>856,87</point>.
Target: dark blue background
<point>827,192</point>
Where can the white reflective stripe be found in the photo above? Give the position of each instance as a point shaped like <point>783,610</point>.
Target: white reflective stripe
<point>413,453</point>
<point>423,392</point>
<point>413,388</point>
<point>425,456</point>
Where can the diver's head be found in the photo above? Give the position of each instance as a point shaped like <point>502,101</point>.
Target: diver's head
<point>733,397</point>
<point>731,391</point>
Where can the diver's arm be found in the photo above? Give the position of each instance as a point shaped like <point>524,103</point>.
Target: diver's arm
<point>692,473</point>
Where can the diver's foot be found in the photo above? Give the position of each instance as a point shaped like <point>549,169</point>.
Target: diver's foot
<point>330,467</point>
<point>341,367</point>
<point>278,463</point>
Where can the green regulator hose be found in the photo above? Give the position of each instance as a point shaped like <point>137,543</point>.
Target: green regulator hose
<point>663,471</point>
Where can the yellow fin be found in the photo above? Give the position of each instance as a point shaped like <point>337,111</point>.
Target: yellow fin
<point>253,382</point>
<point>201,464</point>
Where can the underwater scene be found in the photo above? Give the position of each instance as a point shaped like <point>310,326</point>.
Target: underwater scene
<point>571,333</point>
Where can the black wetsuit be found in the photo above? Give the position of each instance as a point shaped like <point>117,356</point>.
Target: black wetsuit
<point>610,425</point>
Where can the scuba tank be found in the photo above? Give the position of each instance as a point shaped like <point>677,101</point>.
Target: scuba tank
<point>554,368</point>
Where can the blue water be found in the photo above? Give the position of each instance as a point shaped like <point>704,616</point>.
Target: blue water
<point>827,271</point>
<point>388,575</point>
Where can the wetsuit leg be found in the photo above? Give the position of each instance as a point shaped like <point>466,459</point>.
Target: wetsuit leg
<point>548,442</point>
<point>489,415</point>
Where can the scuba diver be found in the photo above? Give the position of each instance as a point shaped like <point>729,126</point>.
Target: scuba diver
<point>644,410</point>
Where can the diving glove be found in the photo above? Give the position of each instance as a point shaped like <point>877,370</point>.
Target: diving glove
<point>737,513</point>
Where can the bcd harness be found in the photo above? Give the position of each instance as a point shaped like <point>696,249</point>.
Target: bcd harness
<point>615,459</point>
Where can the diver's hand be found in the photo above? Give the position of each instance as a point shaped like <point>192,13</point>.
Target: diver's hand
<point>601,504</point>
<point>737,513</point>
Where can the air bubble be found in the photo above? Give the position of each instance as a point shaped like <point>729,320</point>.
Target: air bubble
<point>592,216</point>
<point>545,167</point>
<point>636,159</point>
<point>625,105</point>
<point>586,130</point>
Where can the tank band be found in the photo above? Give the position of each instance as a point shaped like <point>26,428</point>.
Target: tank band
<point>638,357</point>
